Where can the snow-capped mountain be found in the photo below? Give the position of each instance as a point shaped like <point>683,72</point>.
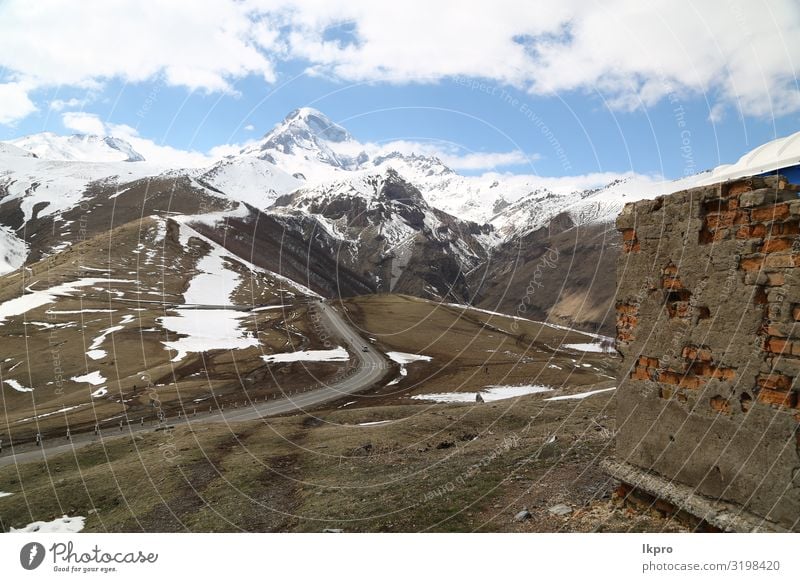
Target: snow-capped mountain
<point>43,187</point>
<point>314,204</point>
<point>308,145</point>
<point>78,148</point>
<point>388,216</point>
<point>308,150</point>
<point>251,179</point>
<point>372,233</point>
<point>8,150</point>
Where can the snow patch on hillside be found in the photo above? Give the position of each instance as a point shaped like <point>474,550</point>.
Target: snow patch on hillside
<point>13,251</point>
<point>203,326</point>
<point>94,378</point>
<point>338,354</point>
<point>488,393</point>
<point>63,524</point>
<point>17,386</point>
<point>35,298</point>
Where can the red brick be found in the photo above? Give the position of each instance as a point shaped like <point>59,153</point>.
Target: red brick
<point>776,212</point>
<point>701,353</point>
<point>721,234</point>
<point>667,377</point>
<point>751,263</point>
<point>672,283</point>
<point>751,231</point>
<point>631,246</point>
<point>796,312</point>
<point>681,380</point>
<point>774,245</point>
<point>777,397</point>
<point>774,329</point>
<point>785,228</point>
<point>640,373</point>
<point>737,188</point>
<point>702,369</point>
<point>627,308</point>
<point>775,381</point>
<point>724,374</point>
<point>716,205</point>
<point>726,219</point>
<point>691,382</point>
<point>775,279</point>
<point>669,270</point>
<point>758,230</point>
<point>679,309</point>
<point>720,219</point>
<point>777,345</point>
<point>648,362</point>
<point>628,234</point>
<point>720,404</point>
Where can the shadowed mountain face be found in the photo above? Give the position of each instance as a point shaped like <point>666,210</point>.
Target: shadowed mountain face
<point>561,273</point>
<point>103,207</point>
<point>344,241</point>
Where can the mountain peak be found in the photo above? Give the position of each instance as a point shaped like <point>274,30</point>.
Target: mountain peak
<point>308,122</point>
<point>307,135</point>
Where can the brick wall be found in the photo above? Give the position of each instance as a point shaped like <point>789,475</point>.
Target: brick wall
<point>708,324</point>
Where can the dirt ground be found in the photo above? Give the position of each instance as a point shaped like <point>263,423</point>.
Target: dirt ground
<point>441,467</point>
<point>379,461</point>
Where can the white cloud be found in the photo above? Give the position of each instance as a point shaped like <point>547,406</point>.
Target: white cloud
<point>633,53</point>
<point>61,104</point>
<point>487,160</point>
<point>82,122</point>
<point>743,53</point>
<point>450,154</point>
<point>159,153</point>
<point>197,45</point>
<point>168,156</point>
<point>14,102</point>
<point>249,127</point>
<point>717,113</point>
<point>229,149</point>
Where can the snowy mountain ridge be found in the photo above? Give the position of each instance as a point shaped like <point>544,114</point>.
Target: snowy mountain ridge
<point>308,150</point>
<point>78,148</point>
<point>45,174</point>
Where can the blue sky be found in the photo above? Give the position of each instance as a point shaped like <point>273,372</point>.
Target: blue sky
<point>558,105</point>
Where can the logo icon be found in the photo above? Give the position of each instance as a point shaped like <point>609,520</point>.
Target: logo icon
<point>31,555</point>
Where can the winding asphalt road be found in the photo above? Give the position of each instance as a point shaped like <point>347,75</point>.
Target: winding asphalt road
<point>371,367</point>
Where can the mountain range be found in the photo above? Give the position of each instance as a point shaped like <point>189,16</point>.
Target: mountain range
<point>310,202</point>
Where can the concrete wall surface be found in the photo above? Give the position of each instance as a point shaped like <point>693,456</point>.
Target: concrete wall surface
<point>708,324</point>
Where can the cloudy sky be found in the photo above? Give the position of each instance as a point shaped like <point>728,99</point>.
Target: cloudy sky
<point>664,87</point>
